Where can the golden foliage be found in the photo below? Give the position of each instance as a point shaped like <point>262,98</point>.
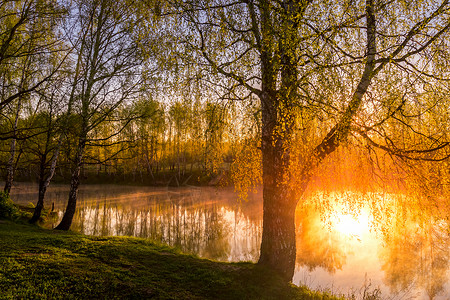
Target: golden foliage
<point>246,170</point>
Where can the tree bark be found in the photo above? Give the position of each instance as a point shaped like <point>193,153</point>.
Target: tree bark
<point>44,182</point>
<point>66,221</point>
<point>10,167</point>
<point>280,191</point>
<point>40,203</point>
<point>278,246</point>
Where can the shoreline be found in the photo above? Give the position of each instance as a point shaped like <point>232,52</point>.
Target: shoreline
<point>42,263</point>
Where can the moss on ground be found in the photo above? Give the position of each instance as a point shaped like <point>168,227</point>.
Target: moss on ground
<point>36,263</point>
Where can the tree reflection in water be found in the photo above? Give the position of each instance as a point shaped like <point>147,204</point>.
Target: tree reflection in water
<point>417,249</point>
<point>412,240</point>
<point>401,244</point>
<point>203,222</point>
<point>316,246</point>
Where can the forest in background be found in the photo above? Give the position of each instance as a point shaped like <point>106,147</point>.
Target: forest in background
<point>192,142</point>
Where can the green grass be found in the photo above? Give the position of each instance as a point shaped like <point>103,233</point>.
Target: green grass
<point>36,263</point>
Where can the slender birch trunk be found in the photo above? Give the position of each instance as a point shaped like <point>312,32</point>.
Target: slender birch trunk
<point>44,181</point>
<point>10,166</point>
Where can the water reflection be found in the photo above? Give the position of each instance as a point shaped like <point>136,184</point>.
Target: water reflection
<point>417,254</point>
<point>317,247</point>
<point>401,247</point>
<point>344,240</point>
<point>201,221</point>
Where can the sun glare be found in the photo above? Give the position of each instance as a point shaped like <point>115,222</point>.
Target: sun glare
<point>352,225</point>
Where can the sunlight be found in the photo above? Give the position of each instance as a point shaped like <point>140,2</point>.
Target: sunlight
<point>348,224</point>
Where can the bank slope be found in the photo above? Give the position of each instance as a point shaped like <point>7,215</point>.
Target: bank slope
<point>36,263</point>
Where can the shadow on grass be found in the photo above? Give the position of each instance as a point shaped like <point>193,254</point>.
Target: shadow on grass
<point>39,263</point>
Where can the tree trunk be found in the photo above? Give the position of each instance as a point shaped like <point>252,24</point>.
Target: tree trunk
<point>40,204</point>
<point>10,167</point>
<point>44,182</point>
<point>278,246</point>
<point>278,249</point>
<point>66,221</point>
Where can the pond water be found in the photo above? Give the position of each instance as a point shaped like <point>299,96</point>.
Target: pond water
<point>346,242</point>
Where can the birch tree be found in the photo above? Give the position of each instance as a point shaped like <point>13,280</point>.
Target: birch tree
<point>29,45</point>
<point>107,75</point>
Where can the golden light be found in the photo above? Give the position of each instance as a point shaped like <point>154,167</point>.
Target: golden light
<point>351,225</point>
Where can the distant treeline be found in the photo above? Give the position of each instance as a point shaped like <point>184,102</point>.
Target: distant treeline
<point>164,144</point>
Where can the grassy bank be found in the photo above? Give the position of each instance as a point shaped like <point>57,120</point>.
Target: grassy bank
<point>42,264</point>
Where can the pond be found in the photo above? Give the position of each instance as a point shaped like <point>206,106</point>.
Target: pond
<point>347,242</point>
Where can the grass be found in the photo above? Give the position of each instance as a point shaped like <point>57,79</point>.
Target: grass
<point>36,263</point>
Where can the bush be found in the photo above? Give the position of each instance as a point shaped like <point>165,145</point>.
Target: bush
<point>7,209</point>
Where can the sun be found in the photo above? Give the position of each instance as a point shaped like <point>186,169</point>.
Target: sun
<point>351,225</point>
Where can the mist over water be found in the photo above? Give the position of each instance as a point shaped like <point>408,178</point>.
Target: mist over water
<point>345,241</point>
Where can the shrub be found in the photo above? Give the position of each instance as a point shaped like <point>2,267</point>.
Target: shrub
<point>7,209</point>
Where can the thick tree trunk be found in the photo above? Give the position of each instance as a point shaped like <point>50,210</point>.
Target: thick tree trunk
<point>278,246</point>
